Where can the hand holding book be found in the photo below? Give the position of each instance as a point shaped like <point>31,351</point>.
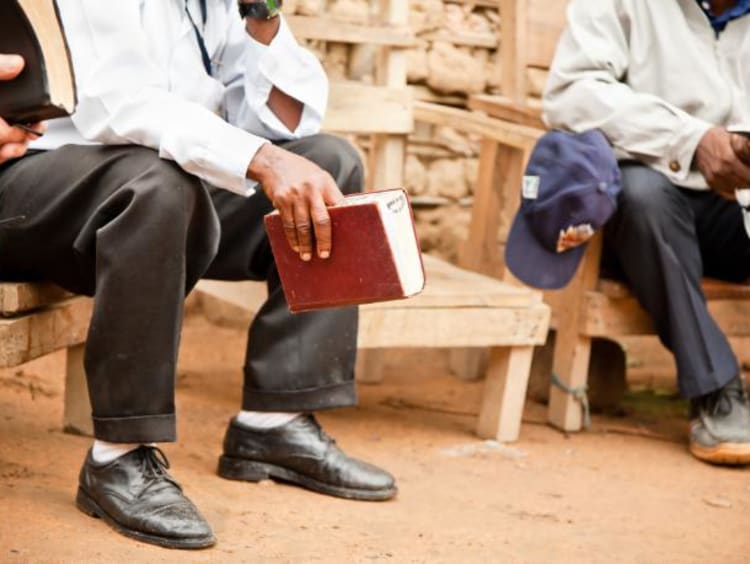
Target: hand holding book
<point>301,191</point>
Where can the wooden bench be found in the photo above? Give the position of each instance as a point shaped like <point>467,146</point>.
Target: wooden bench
<point>457,309</point>
<point>38,319</point>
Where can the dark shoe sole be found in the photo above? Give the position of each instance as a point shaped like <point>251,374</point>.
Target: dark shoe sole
<point>730,454</point>
<point>87,505</point>
<point>250,471</point>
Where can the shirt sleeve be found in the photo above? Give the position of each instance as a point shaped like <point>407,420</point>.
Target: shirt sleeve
<point>123,97</point>
<point>252,69</point>
<point>587,89</point>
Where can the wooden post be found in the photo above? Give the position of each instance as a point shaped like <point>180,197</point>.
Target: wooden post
<point>77,410</point>
<point>572,346</point>
<point>504,393</point>
<point>388,150</point>
<point>370,366</point>
<point>513,52</point>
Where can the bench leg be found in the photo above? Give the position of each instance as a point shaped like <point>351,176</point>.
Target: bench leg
<point>77,414</point>
<point>469,363</point>
<point>370,365</point>
<point>504,393</point>
<point>571,364</point>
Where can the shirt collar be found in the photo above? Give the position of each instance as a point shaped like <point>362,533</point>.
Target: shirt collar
<point>720,22</point>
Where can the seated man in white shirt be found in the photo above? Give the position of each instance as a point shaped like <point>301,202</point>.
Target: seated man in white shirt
<point>665,81</point>
<point>192,124</point>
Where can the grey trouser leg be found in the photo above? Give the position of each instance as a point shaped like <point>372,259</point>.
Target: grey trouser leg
<point>300,362</point>
<point>137,231</point>
<point>665,238</point>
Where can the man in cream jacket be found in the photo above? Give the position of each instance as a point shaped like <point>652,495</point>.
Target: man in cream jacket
<point>195,118</point>
<point>666,81</point>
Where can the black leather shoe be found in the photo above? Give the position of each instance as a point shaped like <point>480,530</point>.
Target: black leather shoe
<point>720,425</point>
<point>301,453</point>
<point>136,496</point>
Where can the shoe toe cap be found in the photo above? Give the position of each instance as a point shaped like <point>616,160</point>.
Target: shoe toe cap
<point>179,521</point>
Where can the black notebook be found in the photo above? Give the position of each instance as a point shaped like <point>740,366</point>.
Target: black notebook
<point>45,89</point>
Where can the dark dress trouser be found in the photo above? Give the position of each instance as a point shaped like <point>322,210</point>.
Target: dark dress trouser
<point>138,232</point>
<point>664,239</point>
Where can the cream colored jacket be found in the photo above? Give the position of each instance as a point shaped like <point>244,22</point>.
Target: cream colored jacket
<point>653,76</point>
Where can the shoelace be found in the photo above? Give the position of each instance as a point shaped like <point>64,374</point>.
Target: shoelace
<point>721,402</point>
<point>154,465</point>
<point>322,435</point>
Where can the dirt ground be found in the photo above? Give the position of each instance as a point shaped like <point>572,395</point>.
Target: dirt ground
<point>626,491</point>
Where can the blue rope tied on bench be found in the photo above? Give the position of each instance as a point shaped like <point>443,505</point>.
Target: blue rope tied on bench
<point>578,394</point>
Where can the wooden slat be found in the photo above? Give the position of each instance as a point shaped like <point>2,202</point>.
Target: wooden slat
<point>464,39</point>
<point>546,21</point>
<point>502,107</point>
<point>17,297</point>
<point>513,48</point>
<point>447,287</point>
<point>360,108</point>
<point>452,287</point>
<point>712,289</point>
<point>474,122</point>
<point>330,29</point>
<point>30,336</point>
<point>457,327</point>
<point>624,316</point>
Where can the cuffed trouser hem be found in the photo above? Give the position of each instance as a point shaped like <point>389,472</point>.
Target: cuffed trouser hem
<point>312,399</point>
<point>141,429</point>
<point>694,387</point>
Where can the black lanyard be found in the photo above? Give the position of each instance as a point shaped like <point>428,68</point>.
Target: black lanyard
<point>199,36</point>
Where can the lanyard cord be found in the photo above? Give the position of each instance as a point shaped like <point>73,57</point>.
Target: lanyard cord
<point>198,36</point>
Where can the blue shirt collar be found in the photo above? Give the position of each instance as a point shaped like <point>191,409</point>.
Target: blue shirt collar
<point>720,22</point>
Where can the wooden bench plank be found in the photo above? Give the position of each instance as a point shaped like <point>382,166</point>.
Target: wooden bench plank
<point>361,108</point>
<point>606,317</point>
<point>713,289</point>
<point>30,336</point>
<point>518,136</point>
<point>330,29</point>
<point>17,297</point>
<point>502,107</point>
<point>456,327</point>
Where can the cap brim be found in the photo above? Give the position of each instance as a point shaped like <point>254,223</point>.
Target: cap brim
<point>533,264</point>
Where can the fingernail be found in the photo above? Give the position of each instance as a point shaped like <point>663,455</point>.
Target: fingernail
<point>296,249</point>
<point>306,256</point>
<point>10,62</point>
<point>324,254</point>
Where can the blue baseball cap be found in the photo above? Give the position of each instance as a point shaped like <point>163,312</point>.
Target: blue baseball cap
<point>569,192</point>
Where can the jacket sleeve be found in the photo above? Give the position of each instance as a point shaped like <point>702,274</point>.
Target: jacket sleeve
<point>251,69</point>
<point>123,97</point>
<point>587,89</point>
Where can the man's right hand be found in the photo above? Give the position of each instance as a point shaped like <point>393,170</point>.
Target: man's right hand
<point>13,140</point>
<point>719,157</point>
<point>301,191</point>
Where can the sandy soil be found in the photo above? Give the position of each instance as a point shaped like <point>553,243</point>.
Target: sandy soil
<point>627,491</point>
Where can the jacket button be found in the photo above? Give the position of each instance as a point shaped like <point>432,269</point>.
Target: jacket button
<point>674,166</point>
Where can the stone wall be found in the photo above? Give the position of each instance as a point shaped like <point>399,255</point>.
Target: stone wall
<point>456,55</point>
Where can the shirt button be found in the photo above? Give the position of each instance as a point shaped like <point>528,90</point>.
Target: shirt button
<point>674,166</point>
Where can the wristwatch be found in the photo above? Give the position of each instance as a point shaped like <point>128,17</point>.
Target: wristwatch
<point>260,9</point>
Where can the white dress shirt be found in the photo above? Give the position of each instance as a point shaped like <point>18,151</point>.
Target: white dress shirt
<point>653,76</point>
<point>141,80</point>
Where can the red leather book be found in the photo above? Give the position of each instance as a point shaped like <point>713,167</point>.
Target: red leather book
<point>375,255</point>
<point>45,89</point>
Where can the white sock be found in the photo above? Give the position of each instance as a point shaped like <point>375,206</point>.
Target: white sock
<point>264,420</point>
<point>103,452</point>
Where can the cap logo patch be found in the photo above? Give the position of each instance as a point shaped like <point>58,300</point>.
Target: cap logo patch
<point>530,188</point>
<point>574,236</point>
